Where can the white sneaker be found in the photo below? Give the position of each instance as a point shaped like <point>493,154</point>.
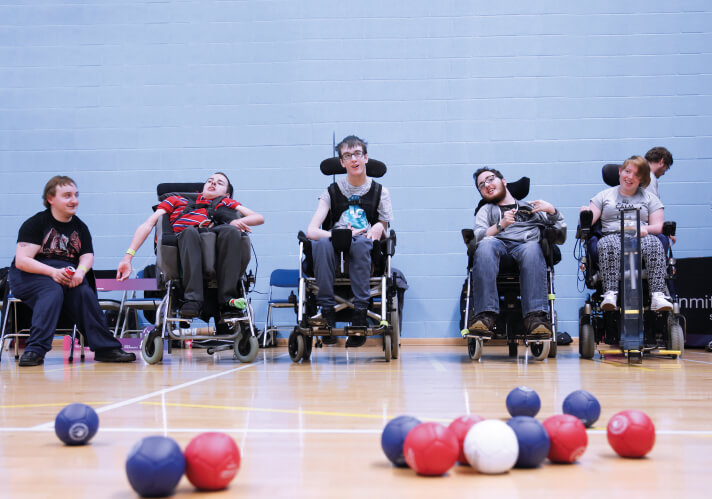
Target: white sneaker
<point>610,300</point>
<point>659,302</point>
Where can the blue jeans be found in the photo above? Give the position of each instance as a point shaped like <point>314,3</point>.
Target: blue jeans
<point>46,298</point>
<point>532,275</point>
<point>324,258</point>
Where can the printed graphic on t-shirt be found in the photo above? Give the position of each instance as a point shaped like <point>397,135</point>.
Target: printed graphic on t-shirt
<point>355,215</point>
<point>56,244</point>
<point>523,213</point>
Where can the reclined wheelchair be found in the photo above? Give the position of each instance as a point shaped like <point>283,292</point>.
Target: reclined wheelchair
<point>383,311</point>
<point>633,328</point>
<point>510,324</point>
<point>238,328</point>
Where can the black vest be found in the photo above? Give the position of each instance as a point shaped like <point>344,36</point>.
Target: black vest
<point>368,203</point>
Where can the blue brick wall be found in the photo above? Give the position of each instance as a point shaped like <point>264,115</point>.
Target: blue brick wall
<point>122,95</point>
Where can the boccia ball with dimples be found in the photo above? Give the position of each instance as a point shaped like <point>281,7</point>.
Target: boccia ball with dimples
<point>491,447</point>
<point>431,449</point>
<point>211,461</point>
<point>460,427</point>
<point>631,433</point>
<point>583,405</point>
<point>76,424</point>
<point>568,438</point>
<point>393,436</point>
<point>533,441</point>
<point>523,401</point>
<point>154,466</point>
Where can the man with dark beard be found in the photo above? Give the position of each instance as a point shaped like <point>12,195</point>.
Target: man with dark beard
<point>506,226</point>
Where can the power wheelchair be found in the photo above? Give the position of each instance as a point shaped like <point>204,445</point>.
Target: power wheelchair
<point>236,327</point>
<point>633,328</point>
<point>510,325</point>
<point>383,311</point>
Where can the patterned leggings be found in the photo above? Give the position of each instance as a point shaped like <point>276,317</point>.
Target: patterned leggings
<point>609,260</point>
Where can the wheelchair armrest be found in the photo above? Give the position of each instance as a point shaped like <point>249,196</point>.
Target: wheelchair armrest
<point>390,243</point>
<point>468,235</point>
<point>583,231</point>
<point>302,237</point>
<point>555,236</point>
<point>669,228</point>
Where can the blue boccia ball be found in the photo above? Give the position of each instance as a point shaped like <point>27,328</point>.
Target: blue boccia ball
<point>76,424</point>
<point>523,401</point>
<point>533,441</point>
<point>154,466</point>
<point>583,405</point>
<point>393,437</point>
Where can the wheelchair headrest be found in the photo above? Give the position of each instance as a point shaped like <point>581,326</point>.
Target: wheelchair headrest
<point>610,174</point>
<point>178,188</point>
<point>519,189</point>
<point>332,166</point>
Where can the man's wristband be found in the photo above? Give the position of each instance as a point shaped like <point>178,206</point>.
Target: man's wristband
<point>82,267</point>
<point>131,252</point>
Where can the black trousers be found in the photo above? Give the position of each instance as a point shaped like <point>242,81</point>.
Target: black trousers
<point>232,254</point>
<point>47,298</point>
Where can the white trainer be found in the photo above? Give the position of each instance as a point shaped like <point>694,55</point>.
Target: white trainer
<point>610,300</point>
<point>659,302</point>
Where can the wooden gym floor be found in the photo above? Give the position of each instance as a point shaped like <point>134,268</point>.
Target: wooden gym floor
<point>313,429</point>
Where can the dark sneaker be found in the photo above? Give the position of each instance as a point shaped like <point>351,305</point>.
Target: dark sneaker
<point>538,325</point>
<point>329,315</point>
<point>360,317</point>
<point>355,341</point>
<point>190,309</point>
<point>114,355</point>
<point>31,359</point>
<point>483,323</point>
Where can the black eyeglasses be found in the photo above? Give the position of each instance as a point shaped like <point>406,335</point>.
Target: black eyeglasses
<point>487,181</point>
<point>349,155</point>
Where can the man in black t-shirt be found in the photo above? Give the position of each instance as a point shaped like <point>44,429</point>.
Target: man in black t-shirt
<point>49,245</point>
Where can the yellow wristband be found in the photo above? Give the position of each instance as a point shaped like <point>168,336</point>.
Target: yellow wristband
<point>82,267</point>
<point>131,252</point>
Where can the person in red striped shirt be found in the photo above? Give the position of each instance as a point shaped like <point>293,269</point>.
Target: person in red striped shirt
<point>187,219</point>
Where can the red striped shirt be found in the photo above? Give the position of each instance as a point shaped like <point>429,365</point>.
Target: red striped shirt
<point>174,205</point>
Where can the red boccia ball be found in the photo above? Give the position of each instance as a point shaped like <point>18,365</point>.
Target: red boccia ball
<point>460,427</point>
<point>431,449</point>
<point>568,438</point>
<point>211,461</point>
<point>631,433</point>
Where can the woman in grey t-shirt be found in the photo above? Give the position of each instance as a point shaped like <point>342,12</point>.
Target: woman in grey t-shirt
<point>606,205</point>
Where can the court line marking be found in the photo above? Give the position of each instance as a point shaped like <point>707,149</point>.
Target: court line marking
<point>157,429</point>
<point>258,409</point>
<point>123,403</point>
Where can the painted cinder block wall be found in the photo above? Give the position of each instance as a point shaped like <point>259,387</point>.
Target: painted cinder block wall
<point>123,95</point>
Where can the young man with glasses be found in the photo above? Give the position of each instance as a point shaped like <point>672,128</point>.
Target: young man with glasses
<point>506,226</point>
<point>358,203</point>
<point>187,220</point>
<point>660,161</point>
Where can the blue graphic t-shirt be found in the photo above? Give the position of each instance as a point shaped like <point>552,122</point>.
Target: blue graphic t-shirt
<point>355,215</point>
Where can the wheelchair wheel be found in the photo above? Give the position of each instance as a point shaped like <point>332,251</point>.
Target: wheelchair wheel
<point>246,347</point>
<point>474,348</point>
<point>152,345</point>
<point>307,348</point>
<point>552,349</point>
<point>395,334</point>
<point>387,346</point>
<point>295,346</point>
<point>677,337</point>
<point>587,343</point>
<point>540,350</point>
